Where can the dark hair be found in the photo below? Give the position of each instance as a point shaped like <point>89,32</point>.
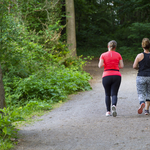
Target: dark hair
<point>112,44</point>
<point>146,43</point>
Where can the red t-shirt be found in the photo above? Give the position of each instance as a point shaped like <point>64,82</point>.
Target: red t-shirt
<point>111,61</point>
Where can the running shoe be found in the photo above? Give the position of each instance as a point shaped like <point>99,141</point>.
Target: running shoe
<point>140,110</point>
<point>146,112</point>
<point>108,113</point>
<point>114,113</point>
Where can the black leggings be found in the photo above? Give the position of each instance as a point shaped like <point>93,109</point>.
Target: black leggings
<point>111,85</point>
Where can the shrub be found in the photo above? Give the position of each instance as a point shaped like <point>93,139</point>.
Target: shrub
<point>53,84</point>
<point>7,129</point>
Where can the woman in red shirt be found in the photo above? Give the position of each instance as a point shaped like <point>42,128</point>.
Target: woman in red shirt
<point>111,78</point>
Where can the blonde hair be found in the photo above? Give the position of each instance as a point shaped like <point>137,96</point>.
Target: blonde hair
<point>146,43</point>
<point>112,44</point>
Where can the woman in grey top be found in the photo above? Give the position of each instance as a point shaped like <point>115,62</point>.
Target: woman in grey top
<point>142,63</point>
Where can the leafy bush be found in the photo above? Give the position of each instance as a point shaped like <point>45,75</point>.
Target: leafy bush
<point>37,105</point>
<point>21,53</point>
<point>7,129</point>
<point>54,84</point>
<point>76,63</point>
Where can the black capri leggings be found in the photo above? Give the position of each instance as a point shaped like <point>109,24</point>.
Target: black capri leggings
<point>111,85</point>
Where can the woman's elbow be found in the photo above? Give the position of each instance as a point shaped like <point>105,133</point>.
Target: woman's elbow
<point>121,66</point>
<point>100,66</point>
<point>135,67</point>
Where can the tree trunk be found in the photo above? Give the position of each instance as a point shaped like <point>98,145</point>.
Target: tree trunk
<point>2,92</point>
<point>71,33</point>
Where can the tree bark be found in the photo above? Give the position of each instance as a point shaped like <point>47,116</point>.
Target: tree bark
<point>70,29</point>
<point>2,91</point>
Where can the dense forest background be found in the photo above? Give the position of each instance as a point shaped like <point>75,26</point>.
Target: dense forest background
<point>99,21</point>
<point>37,66</point>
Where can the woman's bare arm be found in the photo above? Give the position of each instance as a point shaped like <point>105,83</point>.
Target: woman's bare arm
<point>121,64</point>
<point>101,63</point>
<point>136,61</point>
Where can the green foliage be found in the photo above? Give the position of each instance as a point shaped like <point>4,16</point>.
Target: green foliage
<point>36,106</point>
<point>132,44</point>
<point>76,63</point>
<point>37,14</point>
<point>138,31</point>
<point>128,53</point>
<point>23,54</point>
<point>53,85</point>
<point>15,50</point>
<point>92,24</point>
<point>6,145</point>
<point>94,52</point>
<point>7,130</point>
<point>38,70</point>
<point>98,22</point>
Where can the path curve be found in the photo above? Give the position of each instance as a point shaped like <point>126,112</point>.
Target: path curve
<point>81,124</point>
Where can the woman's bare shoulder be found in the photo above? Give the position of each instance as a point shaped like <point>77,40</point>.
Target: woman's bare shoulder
<point>140,55</point>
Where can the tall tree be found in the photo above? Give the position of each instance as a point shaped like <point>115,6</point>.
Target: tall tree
<point>2,92</point>
<point>71,33</point>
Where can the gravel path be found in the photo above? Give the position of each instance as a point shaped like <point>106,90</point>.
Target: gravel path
<point>81,124</point>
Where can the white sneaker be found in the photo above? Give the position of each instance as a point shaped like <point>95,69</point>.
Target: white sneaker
<point>114,113</point>
<point>108,114</point>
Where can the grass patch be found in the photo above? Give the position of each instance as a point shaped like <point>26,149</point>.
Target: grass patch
<point>33,116</point>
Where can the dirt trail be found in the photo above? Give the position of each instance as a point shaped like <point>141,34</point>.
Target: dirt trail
<point>81,124</point>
